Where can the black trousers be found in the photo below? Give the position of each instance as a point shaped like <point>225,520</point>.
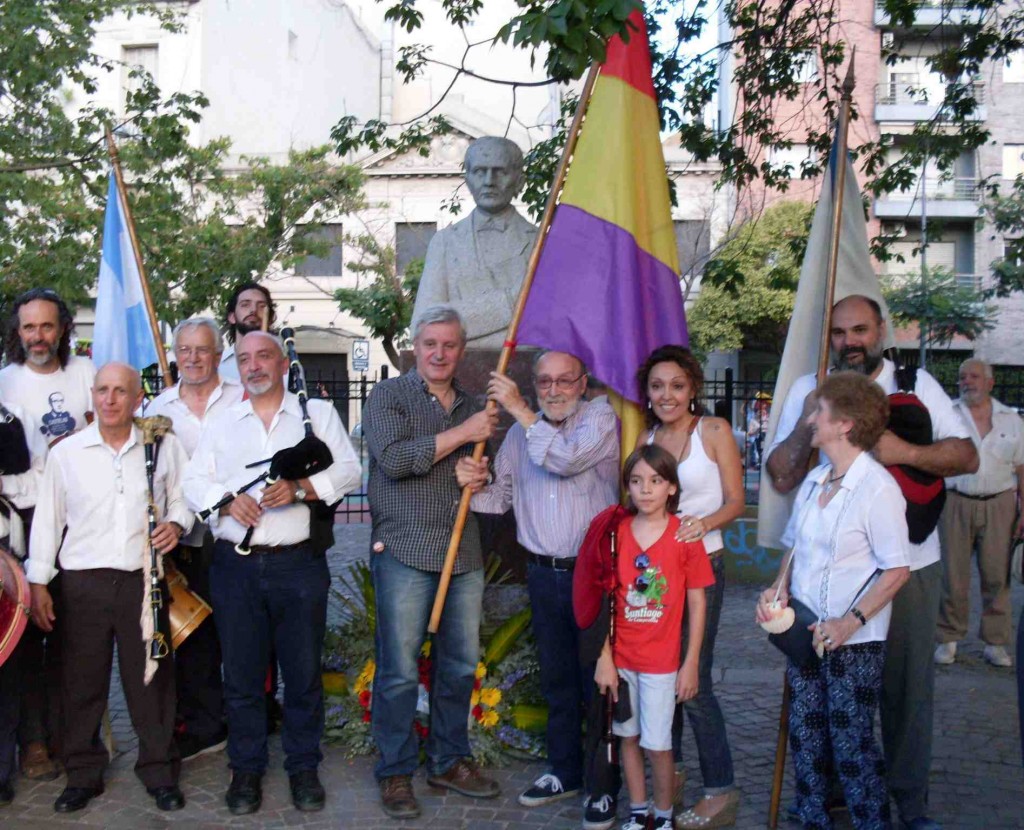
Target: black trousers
<point>10,703</point>
<point>197,662</point>
<point>100,607</point>
<point>41,663</point>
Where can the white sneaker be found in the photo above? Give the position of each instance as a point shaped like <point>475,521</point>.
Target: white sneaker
<point>945,654</point>
<point>998,656</point>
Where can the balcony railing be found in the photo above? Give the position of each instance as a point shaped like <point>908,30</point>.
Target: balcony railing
<point>938,189</point>
<point>970,282</point>
<point>901,91</point>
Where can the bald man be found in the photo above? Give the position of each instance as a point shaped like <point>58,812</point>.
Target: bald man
<point>94,487</point>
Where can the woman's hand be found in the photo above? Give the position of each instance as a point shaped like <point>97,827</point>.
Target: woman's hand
<point>606,676</point>
<point>691,529</point>
<point>831,634</point>
<point>763,612</point>
<point>687,682</point>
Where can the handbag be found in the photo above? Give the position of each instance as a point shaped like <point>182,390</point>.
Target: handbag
<point>797,641</point>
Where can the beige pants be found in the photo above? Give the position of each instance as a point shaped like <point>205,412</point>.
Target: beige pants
<point>986,527</point>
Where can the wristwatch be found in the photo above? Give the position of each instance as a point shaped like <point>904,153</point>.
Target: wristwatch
<point>300,494</point>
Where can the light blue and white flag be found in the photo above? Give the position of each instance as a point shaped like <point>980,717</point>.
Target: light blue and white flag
<point>122,331</point>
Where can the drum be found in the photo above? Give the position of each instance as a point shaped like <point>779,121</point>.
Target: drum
<point>188,609</point>
<point>15,601</point>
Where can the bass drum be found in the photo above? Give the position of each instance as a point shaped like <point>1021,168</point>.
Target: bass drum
<point>188,610</point>
<point>15,602</point>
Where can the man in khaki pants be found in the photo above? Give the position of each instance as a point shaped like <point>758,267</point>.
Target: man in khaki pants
<point>981,514</point>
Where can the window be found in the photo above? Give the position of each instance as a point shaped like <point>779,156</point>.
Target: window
<point>134,59</point>
<point>1013,160</point>
<point>326,266</point>
<point>693,242</point>
<point>805,67</point>
<point>411,241</point>
<point>794,156</point>
<point>1013,68</point>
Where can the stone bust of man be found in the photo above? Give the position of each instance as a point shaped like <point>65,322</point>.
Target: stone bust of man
<point>477,265</point>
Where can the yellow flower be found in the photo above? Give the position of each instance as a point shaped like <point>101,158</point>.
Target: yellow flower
<point>490,696</point>
<point>474,698</point>
<point>481,671</point>
<point>425,650</point>
<point>365,677</point>
<point>489,719</point>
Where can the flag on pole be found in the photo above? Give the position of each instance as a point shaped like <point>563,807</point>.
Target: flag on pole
<point>855,275</point>
<point>122,331</point>
<point>606,288</point>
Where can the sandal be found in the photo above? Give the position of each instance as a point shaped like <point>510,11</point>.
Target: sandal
<point>725,817</point>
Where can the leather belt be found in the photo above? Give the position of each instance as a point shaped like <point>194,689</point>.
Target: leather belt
<point>979,498</point>
<point>263,549</point>
<point>556,563</point>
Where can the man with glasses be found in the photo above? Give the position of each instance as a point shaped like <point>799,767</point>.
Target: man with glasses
<point>558,468</point>
<point>199,394</point>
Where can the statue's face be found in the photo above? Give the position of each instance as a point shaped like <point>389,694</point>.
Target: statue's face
<point>492,176</point>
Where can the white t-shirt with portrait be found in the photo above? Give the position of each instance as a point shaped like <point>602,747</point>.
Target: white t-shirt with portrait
<point>56,402</point>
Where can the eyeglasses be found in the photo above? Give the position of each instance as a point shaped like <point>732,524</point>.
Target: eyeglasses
<point>561,384</point>
<point>198,351</point>
<point>642,562</point>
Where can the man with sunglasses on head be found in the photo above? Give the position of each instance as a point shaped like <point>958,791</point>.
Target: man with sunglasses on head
<point>558,468</point>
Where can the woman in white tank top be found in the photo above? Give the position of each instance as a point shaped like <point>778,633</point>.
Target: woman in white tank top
<point>711,496</point>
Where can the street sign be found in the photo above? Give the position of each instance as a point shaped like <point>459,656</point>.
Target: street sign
<point>360,355</point>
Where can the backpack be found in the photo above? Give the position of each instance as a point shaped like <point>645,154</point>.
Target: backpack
<point>925,493</point>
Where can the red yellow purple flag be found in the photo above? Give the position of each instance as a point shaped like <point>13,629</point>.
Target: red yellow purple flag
<point>606,286</point>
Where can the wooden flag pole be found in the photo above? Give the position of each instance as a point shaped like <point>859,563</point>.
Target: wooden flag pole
<point>161,354</point>
<point>510,335</point>
<point>838,192</point>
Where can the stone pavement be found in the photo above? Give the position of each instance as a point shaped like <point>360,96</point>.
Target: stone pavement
<point>977,777</point>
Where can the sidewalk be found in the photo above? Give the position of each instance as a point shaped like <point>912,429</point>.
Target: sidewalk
<point>977,778</point>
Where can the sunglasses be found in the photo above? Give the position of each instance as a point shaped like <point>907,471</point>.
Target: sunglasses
<point>642,562</point>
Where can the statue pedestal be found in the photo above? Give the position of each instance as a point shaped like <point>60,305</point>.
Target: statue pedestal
<point>497,533</point>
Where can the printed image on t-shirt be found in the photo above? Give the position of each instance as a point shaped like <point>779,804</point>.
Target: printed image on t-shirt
<point>644,596</point>
<point>58,421</point>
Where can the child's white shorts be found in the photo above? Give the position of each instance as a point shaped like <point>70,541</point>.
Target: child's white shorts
<point>652,698</point>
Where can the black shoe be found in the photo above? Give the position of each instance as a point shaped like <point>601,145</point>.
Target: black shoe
<point>191,746</point>
<point>167,798</point>
<point>245,793</point>
<point>74,799</point>
<point>6,793</point>
<point>307,792</point>
<point>599,813</point>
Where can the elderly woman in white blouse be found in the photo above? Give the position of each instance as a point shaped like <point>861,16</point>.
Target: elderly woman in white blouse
<point>849,534</point>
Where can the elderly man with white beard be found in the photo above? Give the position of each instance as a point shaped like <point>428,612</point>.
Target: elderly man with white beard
<point>558,468</point>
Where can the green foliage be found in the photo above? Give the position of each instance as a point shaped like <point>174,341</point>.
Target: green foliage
<point>1006,212</point>
<point>939,304</point>
<point>746,295</point>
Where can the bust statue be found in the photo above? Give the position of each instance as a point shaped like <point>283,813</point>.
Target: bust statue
<point>477,265</point>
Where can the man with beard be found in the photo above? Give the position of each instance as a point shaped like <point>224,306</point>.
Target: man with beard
<point>245,309</point>
<point>857,338</point>
<point>558,468</point>
<point>274,594</point>
<point>981,514</point>
<point>54,388</point>
<point>199,395</point>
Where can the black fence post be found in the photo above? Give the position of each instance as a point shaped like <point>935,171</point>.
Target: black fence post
<point>384,372</point>
<point>729,395</point>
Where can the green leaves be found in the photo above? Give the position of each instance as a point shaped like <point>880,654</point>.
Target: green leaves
<point>939,304</point>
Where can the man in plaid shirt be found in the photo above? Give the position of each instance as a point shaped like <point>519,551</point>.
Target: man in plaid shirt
<point>417,426</point>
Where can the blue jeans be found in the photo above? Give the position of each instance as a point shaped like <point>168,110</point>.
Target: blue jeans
<point>404,598</point>
<point>259,601</point>
<point>703,711</point>
<point>561,677</point>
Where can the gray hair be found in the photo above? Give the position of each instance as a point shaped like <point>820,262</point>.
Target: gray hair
<point>268,334</point>
<point>986,367</point>
<point>200,323</point>
<point>543,352</point>
<point>438,314</point>
<point>512,150</point>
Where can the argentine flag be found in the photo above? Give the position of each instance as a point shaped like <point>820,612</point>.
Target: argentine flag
<point>122,331</point>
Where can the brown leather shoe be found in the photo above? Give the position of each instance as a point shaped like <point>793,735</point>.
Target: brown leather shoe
<point>397,797</point>
<point>36,763</point>
<point>464,777</point>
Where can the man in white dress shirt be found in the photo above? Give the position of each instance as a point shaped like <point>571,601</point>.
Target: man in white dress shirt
<point>276,595</point>
<point>857,340</point>
<point>95,487</point>
<point>981,513</point>
<point>199,395</point>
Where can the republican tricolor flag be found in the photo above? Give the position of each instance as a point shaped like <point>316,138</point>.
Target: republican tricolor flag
<point>606,286</point>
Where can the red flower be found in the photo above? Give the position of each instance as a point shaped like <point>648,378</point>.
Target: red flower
<point>364,698</point>
<point>478,711</point>
<point>366,716</point>
<point>420,729</point>
<point>477,684</point>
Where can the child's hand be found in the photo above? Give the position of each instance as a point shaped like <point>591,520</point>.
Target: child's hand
<point>687,682</point>
<point>606,676</point>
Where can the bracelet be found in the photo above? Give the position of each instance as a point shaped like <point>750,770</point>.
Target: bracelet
<point>859,615</point>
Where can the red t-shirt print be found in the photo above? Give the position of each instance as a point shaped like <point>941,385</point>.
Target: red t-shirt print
<point>649,618</point>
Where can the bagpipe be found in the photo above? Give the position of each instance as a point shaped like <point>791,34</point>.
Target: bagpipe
<point>153,429</point>
<point>308,457</point>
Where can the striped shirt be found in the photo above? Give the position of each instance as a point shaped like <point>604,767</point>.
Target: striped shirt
<point>557,477</point>
<point>413,501</point>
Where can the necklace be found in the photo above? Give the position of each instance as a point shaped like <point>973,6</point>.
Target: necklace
<point>830,484</point>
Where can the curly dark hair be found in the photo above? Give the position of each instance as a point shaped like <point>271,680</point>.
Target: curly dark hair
<point>13,348</point>
<point>232,303</point>
<point>684,359</point>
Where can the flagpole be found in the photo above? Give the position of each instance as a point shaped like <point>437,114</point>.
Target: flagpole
<point>508,349</point>
<point>161,354</point>
<point>838,194</point>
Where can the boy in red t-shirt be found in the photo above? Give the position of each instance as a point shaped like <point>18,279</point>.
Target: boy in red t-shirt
<point>656,575</point>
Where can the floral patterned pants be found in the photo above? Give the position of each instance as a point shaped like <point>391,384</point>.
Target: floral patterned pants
<point>831,732</point>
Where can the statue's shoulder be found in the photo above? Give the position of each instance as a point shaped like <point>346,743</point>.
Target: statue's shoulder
<point>523,225</point>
